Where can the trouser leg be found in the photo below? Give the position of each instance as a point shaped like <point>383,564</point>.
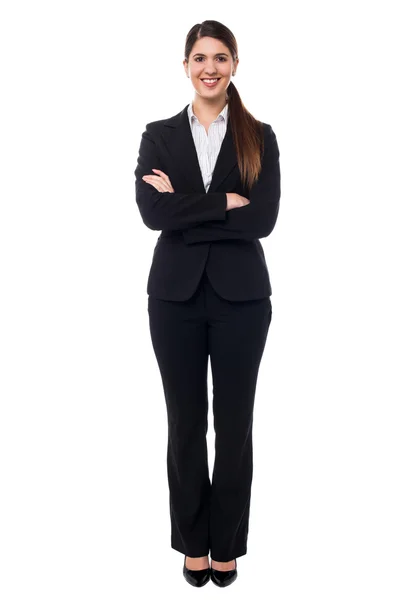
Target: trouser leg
<point>179,338</point>
<point>237,337</point>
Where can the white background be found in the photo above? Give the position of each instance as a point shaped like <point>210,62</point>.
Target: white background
<point>84,497</point>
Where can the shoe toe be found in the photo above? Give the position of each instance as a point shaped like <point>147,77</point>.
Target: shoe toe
<point>197,578</point>
<point>223,578</point>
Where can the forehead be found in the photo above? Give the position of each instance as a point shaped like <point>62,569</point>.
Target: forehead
<point>209,46</point>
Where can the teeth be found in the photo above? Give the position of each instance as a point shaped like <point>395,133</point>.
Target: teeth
<point>210,80</point>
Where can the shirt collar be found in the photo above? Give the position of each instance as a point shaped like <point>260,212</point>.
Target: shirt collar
<point>223,115</point>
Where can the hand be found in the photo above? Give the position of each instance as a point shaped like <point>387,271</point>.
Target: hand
<point>160,182</point>
<point>235,200</point>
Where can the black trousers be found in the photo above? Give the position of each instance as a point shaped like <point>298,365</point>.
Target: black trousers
<point>209,516</point>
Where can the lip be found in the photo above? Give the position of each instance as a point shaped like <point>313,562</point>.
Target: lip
<point>211,85</point>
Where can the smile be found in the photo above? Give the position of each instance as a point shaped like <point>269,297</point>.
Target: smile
<point>210,82</point>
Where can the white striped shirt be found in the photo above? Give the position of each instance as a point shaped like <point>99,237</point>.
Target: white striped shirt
<point>208,145</point>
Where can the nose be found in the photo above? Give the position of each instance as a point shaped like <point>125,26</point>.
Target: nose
<point>210,69</point>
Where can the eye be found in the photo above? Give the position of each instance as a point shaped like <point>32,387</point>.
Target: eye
<point>223,58</point>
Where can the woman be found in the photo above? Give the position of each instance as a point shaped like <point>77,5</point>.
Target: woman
<point>208,178</point>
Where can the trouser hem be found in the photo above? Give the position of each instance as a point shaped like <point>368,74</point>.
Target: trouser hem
<point>226,557</point>
<point>192,552</point>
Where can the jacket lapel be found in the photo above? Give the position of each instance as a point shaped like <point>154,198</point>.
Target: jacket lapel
<point>179,142</point>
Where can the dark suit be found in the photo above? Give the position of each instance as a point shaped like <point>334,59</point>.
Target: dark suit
<point>209,295</point>
<point>188,218</point>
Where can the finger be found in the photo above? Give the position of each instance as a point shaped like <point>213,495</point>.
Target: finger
<point>162,177</point>
<point>152,178</point>
<point>159,185</point>
<point>158,180</point>
<point>162,174</point>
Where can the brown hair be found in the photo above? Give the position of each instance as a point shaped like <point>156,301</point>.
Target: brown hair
<point>247,132</point>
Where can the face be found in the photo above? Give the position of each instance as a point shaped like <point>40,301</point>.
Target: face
<point>210,59</point>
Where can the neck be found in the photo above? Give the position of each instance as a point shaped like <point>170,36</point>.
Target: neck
<point>208,110</point>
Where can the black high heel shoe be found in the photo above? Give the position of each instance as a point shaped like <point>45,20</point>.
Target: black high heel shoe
<point>198,578</point>
<point>224,578</point>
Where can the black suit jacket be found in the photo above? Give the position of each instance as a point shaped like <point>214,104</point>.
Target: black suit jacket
<point>197,232</point>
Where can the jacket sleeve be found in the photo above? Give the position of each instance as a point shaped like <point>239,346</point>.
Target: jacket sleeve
<point>257,219</point>
<point>171,210</point>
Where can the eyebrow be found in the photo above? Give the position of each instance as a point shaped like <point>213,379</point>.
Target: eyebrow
<point>218,54</point>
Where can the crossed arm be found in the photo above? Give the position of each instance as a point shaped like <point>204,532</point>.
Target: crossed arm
<point>203,217</point>
<point>171,210</point>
